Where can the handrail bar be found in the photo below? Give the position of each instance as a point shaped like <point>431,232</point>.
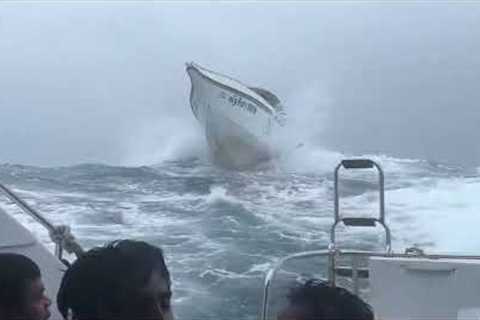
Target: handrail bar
<point>350,164</point>
<point>27,209</point>
<point>60,235</point>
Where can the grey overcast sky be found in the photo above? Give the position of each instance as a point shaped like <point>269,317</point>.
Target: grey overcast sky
<point>105,81</point>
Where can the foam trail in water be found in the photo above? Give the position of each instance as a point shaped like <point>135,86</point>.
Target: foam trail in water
<point>299,142</point>
<point>444,214</point>
<point>310,159</point>
<point>219,194</point>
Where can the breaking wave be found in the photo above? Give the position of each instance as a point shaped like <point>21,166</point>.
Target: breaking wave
<point>222,229</point>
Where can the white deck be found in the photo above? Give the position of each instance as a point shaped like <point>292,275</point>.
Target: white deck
<point>418,288</point>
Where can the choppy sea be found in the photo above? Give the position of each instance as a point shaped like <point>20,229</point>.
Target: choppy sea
<point>222,230</point>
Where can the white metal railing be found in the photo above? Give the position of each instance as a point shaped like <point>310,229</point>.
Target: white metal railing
<point>333,254</point>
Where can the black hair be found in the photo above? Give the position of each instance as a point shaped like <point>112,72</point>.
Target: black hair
<point>320,301</point>
<point>106,277</point>
<point>16,274</point>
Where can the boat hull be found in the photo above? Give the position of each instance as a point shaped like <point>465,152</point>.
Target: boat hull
<point>231,145</point>
<point>237,125</point>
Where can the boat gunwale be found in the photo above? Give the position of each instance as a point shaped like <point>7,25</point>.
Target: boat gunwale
<point>259,103</point>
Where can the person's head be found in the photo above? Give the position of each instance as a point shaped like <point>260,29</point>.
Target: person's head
<point>316,300</point>
<point>22,294</point>
<point>124,280</point>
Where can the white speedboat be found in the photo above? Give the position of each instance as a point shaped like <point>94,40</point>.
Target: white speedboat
<point>238,120</point>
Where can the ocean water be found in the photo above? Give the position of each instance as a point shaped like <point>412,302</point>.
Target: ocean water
<point>222,230</point>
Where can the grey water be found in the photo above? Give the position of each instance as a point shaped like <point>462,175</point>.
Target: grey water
<point>222,230</point>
